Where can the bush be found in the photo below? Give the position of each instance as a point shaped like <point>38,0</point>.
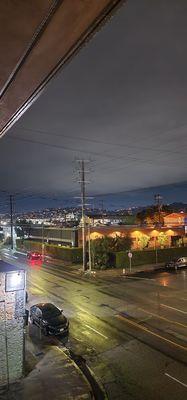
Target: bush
<point>73,255</point>
<point>149,256</point>
<point>103,251</point>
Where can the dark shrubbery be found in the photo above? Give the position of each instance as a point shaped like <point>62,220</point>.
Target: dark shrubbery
<point>104,250</point>
<point>149,256</point>
<point>102,254</point>
<point>73,255</point>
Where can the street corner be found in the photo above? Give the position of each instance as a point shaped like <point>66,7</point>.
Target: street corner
<point>57,375</point>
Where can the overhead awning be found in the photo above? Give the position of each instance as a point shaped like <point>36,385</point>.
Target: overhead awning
<point>36,39</point>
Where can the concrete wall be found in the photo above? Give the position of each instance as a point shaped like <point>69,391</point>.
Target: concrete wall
<point>12,308</point>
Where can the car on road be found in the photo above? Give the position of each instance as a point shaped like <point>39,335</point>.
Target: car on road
<point>35,255</point>
<point>49,318</point>
<point>177,263</point>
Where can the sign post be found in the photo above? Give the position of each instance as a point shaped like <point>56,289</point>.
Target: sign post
<point>130,260</point>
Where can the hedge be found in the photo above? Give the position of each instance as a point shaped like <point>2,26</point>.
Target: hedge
<point>149,256</point>
<point>119,259</point>
<point>73,255</point>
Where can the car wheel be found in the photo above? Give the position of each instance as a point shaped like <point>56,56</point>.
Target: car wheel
<point>32,320</point>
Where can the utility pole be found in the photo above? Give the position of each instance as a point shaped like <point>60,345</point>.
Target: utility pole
<point>83,198</point>
<point>82,181</point>
<point>11,221</point>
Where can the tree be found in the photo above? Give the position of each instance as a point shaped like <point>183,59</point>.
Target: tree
<point>103,249</point>
<point>99,251</point>
<point>162,239</point>
<point>151,215</point>
<point>122,243</point>
<point>143,241</point>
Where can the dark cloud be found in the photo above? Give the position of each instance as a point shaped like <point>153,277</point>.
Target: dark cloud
<point>121,101</point>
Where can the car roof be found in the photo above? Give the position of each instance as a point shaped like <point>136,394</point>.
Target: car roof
<point>43,305</point>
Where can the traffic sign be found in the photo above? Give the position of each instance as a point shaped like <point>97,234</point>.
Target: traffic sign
<point>129,254</point>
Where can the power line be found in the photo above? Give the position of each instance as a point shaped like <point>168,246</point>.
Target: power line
<point>97,154</point>
<point>52,134</point>
<point>94,153</point>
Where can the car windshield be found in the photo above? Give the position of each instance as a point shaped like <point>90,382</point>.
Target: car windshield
<point>50,311</point>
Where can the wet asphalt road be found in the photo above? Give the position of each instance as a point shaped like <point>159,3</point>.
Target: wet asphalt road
<point>131,331</point>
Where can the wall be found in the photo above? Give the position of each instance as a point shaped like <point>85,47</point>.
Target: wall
<point>12,308</point>
<point>54,235</point>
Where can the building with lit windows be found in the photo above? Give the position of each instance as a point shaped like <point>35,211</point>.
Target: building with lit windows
<point>72,237</point>
<point>156,237</point>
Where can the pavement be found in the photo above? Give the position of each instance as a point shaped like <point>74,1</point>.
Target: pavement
<point>54,376</point>
<point>109,272</point>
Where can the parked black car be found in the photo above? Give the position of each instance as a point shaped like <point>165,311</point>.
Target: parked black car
<point>49,318</point>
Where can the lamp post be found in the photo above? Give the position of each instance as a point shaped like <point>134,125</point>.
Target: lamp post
<point>11,223</point>
<point>87,221</point>
<point>43,244</point>
<point>156,252</point>
<point>89,246</point>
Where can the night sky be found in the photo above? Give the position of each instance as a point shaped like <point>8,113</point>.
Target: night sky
<point>122,103</point>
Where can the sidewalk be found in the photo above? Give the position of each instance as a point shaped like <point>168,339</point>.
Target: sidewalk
<point>112,272</point>
<point>55,376</point>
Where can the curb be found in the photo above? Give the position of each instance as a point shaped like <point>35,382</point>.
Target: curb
<point>96,389</point>
<point>77,368</point>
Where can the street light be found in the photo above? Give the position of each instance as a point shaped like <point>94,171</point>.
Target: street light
<point>43,245</point>
<point>89,246</point>
<point>155,235</point>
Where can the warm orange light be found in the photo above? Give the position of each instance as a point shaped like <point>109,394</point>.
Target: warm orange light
<point>136,234</point>
<point>114,234</point>
<point>154,233</point>
<point>96,235</point>
<point>170,232</point>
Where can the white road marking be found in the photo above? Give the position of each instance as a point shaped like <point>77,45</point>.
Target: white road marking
<point>173,308</point>
<point>94,330</point>
<point>83,311</point>
<point>175,379</point>
<point>169,297</point>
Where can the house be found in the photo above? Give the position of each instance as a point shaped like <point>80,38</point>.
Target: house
<point>175,219</point>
